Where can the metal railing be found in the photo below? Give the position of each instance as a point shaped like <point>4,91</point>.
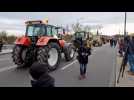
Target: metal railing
<point>7,46</point>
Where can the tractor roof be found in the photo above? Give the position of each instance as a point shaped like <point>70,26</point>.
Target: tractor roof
<point>34,22</point>
<point>38,22</point>
<point>80,32</point>
<point>59,27</point>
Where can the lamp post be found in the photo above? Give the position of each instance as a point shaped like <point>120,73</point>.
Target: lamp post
<point>125,34</point>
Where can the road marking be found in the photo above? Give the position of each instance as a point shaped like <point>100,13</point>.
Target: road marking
<point>7,68</point>
<point>5,59</point>
<point>112,82</point>
<point>69,65</point>
<point>93,53</point>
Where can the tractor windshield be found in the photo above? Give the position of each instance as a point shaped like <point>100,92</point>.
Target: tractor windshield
<point>34,30</point>
<point>80,35</point>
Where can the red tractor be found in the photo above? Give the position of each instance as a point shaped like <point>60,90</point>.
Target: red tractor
<point>41,43</point>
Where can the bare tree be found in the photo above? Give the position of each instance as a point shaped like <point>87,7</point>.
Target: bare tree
<point>77,27</point>
<point>6,38</point>
<point>87,28</point>
<point>3,36</point>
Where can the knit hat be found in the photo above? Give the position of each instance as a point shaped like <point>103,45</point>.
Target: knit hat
<point>37,70</point>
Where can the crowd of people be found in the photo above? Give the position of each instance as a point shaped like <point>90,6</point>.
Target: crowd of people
<point>126,48</point>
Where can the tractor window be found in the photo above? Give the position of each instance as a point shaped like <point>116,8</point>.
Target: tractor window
<point>37,31</point>
<point>49,31</point>
<point>79,35</point>
<point>30,31</point>
<point>54,31</point>
<point>60,31</point>
<point>34,30</point>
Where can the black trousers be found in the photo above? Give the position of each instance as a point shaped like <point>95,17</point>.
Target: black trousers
<point>0,48</point>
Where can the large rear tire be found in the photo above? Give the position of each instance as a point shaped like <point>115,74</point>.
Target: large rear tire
<point>50,56</point>
<point>69,52</point>
<point>22,56</point>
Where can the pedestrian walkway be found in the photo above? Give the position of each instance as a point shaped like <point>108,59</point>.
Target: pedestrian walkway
<point>127,80</point>
<point>6,51</point>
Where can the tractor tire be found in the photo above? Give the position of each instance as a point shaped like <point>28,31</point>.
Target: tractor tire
<point>21,56</point>
<point>48,54</point>
<point>69,52</point>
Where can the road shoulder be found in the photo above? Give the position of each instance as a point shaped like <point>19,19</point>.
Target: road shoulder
<point>127,80</point>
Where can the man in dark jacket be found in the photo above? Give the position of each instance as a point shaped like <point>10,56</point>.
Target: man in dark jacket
<point>111,42</point>
<point>83,53</point>
<point>41,78</point>
<point>121,45</point>
<point>1,45</point>
<point>130,55</point>
<point>115,42</point>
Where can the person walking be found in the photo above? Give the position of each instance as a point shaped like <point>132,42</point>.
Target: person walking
<point>83,53</point>
<point>1,45</point>
<point>130,55</point>
<point>40,76</point>
<point>115,42</point>
<point>111,42</point>
<point>121,45</point>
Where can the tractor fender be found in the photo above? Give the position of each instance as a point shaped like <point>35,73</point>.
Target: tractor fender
<point>23,41</point>
<point>44,40</point>
<point>62,43</point>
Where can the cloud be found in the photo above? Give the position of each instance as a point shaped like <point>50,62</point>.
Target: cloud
<point>14,21</point>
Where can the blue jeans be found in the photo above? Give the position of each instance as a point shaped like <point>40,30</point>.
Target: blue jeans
<point>131,62</point>
<point>83,68</point>
<point>114,45</point>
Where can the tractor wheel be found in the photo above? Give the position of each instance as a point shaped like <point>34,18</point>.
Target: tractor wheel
<point>69,52</point>
<point>49,55</point>
<point>21,56</point>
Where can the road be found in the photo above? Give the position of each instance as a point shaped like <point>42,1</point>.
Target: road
<point>100,71</point>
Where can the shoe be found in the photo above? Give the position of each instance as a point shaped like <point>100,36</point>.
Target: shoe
<point>130,73</point>
<point>80,77</point>
<point>84,76</point>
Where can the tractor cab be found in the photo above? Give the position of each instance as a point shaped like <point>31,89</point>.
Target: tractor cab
<point>38,29</point>
<point>60,32</point>
<point>82,35</point>
<point>78,37</point>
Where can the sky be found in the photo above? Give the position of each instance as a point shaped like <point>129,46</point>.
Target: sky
<point>112,22</point>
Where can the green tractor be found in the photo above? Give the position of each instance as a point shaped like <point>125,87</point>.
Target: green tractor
<point>77,37</point>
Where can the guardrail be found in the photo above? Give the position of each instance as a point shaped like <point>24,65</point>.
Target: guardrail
<point>7,46</point>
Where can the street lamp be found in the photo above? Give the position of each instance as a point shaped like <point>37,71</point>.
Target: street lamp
<point>125,25</point>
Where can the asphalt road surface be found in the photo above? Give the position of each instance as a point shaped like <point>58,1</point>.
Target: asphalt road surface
<point>100,71</point>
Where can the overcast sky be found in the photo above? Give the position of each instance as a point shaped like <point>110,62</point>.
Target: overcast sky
<point>13,22</point>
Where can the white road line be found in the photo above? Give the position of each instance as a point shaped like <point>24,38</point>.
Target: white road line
<point>5,59</point>
<point>69,65</point>
<point>7,68</point>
